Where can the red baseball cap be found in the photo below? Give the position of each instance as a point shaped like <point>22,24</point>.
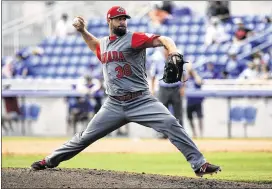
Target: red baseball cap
<point>117,11</point>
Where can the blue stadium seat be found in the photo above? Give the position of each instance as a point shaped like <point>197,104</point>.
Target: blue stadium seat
<point>222,59</point>
<point>61,71</point>
<point>236,114</point>
<point>173,29</point>
<point>34,111</point>
<point>67,50</point>
<point>258,18</point>
<point>183,39</point>
<point>199,20</point>
<point>77,50</point>
<point>184,29</point>
<point>194,29</point>
<point>193,39</point>
<point>64,60</point>
<point>190,49</point>
<point>201,49</point>
<point>163,30</point>
<point>224,47</point>
<point>60,41</point>
<point>35,60</point>
<point>48,50</point>
<point>84,60</point>
<point>87,51</point>
<point>250,114</point>
<point>182,11</point>
<point>212,49</point>
<point>74,60</point>
<point>49,41</point>
<point>190,58</point>
<point>57,50</point>
<point>94,60</point>
<point>45,60</point>
<point>55,60</point>
<point>71,71</point>
<point>70,40</point>
<point>81,70</point>
<point>260,27</point>
<point>49,72</point>
<point>79,41</point>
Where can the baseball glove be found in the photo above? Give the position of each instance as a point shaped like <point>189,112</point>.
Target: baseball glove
<point>173,69</point>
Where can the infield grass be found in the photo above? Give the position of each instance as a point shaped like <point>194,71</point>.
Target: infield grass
<point>237,166</point>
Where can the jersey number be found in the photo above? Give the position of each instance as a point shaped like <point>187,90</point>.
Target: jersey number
<point>125,70</point>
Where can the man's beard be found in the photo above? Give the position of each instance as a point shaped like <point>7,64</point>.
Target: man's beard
<point>120,31</point>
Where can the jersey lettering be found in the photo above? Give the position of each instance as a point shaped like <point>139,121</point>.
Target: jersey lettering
<point>113,56</point>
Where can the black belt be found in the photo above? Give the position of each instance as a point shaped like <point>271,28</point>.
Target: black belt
<point>128,96</point>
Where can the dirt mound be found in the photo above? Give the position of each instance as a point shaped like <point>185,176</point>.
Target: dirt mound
<point>91,178</point>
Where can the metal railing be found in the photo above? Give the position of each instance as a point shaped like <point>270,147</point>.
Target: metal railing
<point>13,31</point>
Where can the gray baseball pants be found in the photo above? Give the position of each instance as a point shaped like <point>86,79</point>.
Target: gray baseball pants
<point>145,110</point>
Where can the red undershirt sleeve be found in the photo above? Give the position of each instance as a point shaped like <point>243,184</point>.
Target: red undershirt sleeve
<point>140,39</point>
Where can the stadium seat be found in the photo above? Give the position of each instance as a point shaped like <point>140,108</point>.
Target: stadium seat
<point>71,71</point>
<point>77,50</point>
<point>250,114</point>
<point>188,31</point>
<point>34,111</point>
<point>54,60</point>
<point>57,50</point>
<point>184,29</point>
<point>60,41</point>
<point>64,60</point>
<point>84,60</point>
<point>34,60</point>
<point>67,50</point>
<point>236,114</point>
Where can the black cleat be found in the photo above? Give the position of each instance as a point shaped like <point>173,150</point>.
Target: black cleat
<point>39,165</point>
<point>207,168</point>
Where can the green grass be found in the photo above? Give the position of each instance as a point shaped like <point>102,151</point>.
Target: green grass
<point>237,166</point>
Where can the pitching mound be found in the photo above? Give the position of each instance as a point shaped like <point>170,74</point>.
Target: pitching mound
<point>89,178</point>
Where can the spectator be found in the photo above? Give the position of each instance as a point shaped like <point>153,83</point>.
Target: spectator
<point>224,75</point>
<point>92,88</point>
<point>258,58</point>
<point>250,72</point>
<point>267,20</point>
<point>209,72</point>
<point>64,27</point>
<point>169,94</point>
<point>218,9</point>
<point>79,111</point>
<point>12,113</point>
<point>242,32</point>
<point>234,66</point>
<point>215,33</point>
<point>22,67</point>
<point>161,12</point>
<point>194,104</point>
<point>8,68</point>
<point>265,72</point>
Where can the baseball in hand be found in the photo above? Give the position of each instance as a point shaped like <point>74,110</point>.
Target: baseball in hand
<point>76,21</point>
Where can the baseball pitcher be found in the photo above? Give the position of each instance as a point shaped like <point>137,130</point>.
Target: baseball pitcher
<point>123,57</point>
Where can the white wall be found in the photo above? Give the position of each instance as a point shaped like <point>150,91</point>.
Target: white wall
<point>52,119</point>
